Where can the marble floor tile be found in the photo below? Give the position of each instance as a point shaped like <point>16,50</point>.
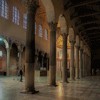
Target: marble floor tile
<point>84,89</point>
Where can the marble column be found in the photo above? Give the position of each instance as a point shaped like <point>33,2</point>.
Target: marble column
<point>77,63</point>
<point>81,63</point>
<point>64,66</point>
<point>20,50</point>
<point>8,57</point>
<point>72,67</point>
<point>52,66</point>
<point>84,63</point>
<point>86,67</point>
<point>89,65</point>
<point>8,61</point>
<point>30,47</point>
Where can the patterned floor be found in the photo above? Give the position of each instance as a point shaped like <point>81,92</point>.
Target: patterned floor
<point>84,89</point>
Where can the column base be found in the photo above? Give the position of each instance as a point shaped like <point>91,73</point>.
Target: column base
<point>30,92</point>
<point>55,85</point>
<point>64,83</point>
<point>77,78</point>
<point>71,79</point>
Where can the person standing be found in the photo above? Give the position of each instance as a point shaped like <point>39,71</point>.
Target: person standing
<point>21,75</point>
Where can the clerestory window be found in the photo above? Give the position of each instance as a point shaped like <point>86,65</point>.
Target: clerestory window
<point>25,21</point>
<point>4,9</point>
<point>40,31</point>
<point>46,34</point>
<point>15,15</point>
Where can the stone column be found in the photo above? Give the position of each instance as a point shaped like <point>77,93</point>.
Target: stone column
<point>77,45</point>
<point>20,50</point>
<point>8,56</point>
<point>52,68</point>
<point>72,67</point>
<point>77,63</point>
<point>90,64</point>
<point>72,42</point>
<point>8,61</point>
<point>30,47</point>
<point>84,63</point>
<point>86,66</point>
<point>81,63</point>
<point>64,67</point>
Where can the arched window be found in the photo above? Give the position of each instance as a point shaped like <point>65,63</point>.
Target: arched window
<point>15,15</point>
<point>46,34</point>
<point>40,30</point>
<point>25,21</point>
<point>4,9</point>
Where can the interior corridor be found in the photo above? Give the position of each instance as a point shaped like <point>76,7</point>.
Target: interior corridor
<point>87,88</point>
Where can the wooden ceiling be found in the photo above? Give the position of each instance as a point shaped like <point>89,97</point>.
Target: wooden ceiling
<point>85,14</point>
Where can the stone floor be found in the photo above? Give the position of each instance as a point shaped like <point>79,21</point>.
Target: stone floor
<point>84,89</point>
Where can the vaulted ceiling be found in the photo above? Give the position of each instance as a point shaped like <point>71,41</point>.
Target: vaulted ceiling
<point>85,15</point>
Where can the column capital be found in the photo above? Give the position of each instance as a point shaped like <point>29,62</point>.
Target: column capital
<point>72,42</point>
<point>64,34</point>
<point>81,49</point>
<point>77,46</point>
<point>20,47</point>
<point>10,42</point>
<point>32,2</point>
<point>32,5</point>
<point>77,41</point>
<point>53,26</point>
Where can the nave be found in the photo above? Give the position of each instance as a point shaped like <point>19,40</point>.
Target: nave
<point>87,88</point>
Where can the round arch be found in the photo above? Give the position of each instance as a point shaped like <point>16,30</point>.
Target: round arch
<point>50,13</point>
<point>5,41</point>
<point>7,54</point>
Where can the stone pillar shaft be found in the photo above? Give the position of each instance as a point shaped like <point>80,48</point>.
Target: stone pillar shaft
<point>81,63</point>
<point>30,47</point>
<point>20,50</point>
<point>8,56</point>
<point>85,67</point>
<point>90,64</point>
<point>72,68</point>
<point>8,61</point>
<point>19,59</point>
<point>77,63</point>
<point>52,69</point>
<point>64,67</point>
<point>84,63</point>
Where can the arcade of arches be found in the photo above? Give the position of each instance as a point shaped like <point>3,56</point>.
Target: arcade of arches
<point>57,39</point>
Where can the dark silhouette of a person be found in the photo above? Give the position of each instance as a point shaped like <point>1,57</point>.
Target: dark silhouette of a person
<point>21,75</point>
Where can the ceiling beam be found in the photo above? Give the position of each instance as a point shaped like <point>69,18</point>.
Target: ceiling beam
<point>92,22</point>
<point>86,39</point>
<point>85,3</point>
<point>95,37</point>
<point>85,15</point>
<point>95,40</point>
<point>80,4</point>
<point>92,28</point>
<point>93,34</point>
